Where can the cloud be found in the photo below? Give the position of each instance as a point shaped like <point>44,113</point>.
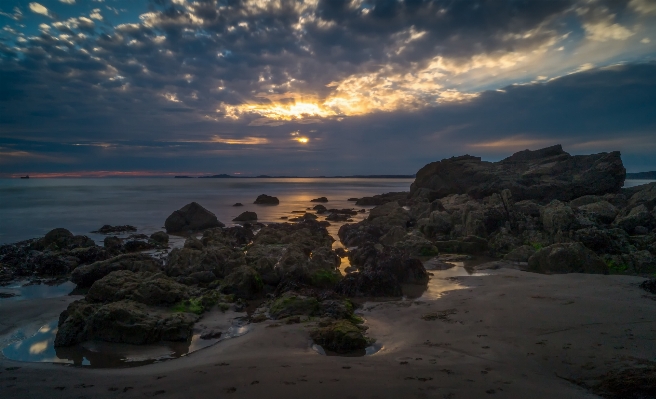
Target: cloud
<point>67,1</point>
<point>38,9</point>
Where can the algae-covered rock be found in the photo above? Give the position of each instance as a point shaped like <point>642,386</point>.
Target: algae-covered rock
<point>520,254</point>
<point>566,258</point>
<point>143,287</point>
<point>243,282</point>
<point>292,304</point>
<point>85,276</point>
<point>340,336</point>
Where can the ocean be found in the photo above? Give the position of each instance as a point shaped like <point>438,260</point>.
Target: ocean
<point>31,208</point>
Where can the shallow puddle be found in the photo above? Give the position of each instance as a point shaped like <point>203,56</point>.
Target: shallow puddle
<point>40,348</point>
<point>368,351</point>
<point>20,291</point>
<point>442,281</point>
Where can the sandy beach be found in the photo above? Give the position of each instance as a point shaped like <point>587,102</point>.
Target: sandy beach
<point>508,334</point>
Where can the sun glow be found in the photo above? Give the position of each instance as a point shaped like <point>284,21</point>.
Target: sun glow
<point>302,140</point>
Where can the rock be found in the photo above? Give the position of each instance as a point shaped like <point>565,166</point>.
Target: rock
<point>438,223</point>
<point>112,242</point>
<point>600,211</point>
<point>437,264</point>
<point>415,245</point>
<point>136,246</point>
<point>340,336</point>
<point>393,236</point>
<point>324,258</point>
<point>49,263</point>
<point>143,287</point>
<point>306,216</point>
<point>336,217</point>
<point>320,199</point>
<point>637,216</point>
<point>641,230</point>
<point>336,309</point>
<point>320,209</point>
<point>381,199</point>
<point>59,236</point>
<point>358,234</point>
<point>566,258</point>
<point>85,276</point>
<point>160,237</point>
<point>557,217</point>
<point>121,322</point>
<point>604,241</point>
<point>266,200</point>
<point>643,262</point>
<point>191,217</point>
<point>243,282</point>
<point>649,285</point>
<point>520,254</point>
<point>544,175</point>
<point>238,204</point>
<point>108,229</point>
<point>246,217</point>
<point>466,245</point>
<point>90,255</point>
<point>219,260</point>
<point>193,243</point>
<point>384,210</point>
<point>292,304</point>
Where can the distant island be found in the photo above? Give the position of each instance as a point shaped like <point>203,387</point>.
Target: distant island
<point>642,175</point>
<point>226,176</point>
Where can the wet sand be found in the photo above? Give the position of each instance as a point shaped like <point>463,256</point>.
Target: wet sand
<point>510,334</point>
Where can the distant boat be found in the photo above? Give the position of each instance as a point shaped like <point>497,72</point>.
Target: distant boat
<point>25,177</point>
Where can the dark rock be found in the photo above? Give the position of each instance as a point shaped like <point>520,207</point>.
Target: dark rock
<point>193,243</point>
<point>341,252</point>
<point>266,200</point>
<point>649,285</point>
<point>108,229</point>
<point>338,217</point>
<point>189,218</point>
<point>566,258</point>
<point>604,241</point>
<point>122,322</point>
<point>306,216</point>
<point>112,242</point>
<point>219,260</point>
<point>358,234</point>
<point>58,236</point>
<point>137,245</point>
<point>544,175</point>
<point>238,204</point>
<point>85,276</point>
<point>381,199</point>
<point>520,254</point>
<point>243,282</point>
<point>467,245</point>
<point>291,304</point>
<point>90,255</point>
<point>320,199</point>
<point>320,209</point>
<point>341,336</point>
<point>160,237</point>
<point>246,217</point>
<point>143,287</point>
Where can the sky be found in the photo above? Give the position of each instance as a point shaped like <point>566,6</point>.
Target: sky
<point>319,87</point>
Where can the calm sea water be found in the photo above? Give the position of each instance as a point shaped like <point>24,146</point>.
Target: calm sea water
<point>30,208</point>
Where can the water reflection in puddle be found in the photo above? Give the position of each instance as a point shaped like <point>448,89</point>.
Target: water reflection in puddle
<point>40,348</point>
<point>20,291</point>
<point>444,280</point>
<point>368,351</point>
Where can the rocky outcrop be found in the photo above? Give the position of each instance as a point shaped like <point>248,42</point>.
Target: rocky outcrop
<point>266,200</point>
<point>191,217</point>
<point>544,175</point>
<point>85,276</point>
<point>340,336</point>
<point>566,258</point>
<point>320,199</point>
<point>246,217</point>
<point>144,287</point>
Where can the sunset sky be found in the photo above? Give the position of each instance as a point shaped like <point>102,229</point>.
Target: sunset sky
<point>98,87</point>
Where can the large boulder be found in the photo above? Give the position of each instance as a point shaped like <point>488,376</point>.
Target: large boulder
<point>85,276</point>
<point>189,218</point>
<point>244,282</point>
<point>600,211</point>
<point>546,174</point>
<point>246,217</point>
<point>266,200</point>
<point>58,236</point>
<point>219,260</point>
<point>341,336</point>
<point>122,322</point>
<point>566,258</point>
<point>143,287</point>
<point>557,217</point>
<point>292,304</point>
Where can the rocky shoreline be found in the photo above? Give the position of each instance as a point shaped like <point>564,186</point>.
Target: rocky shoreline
<point>540,211</point>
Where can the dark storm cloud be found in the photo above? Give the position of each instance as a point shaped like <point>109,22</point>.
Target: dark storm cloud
<point>207,80</point>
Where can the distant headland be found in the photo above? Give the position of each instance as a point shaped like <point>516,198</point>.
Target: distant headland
<point>226,176</point>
